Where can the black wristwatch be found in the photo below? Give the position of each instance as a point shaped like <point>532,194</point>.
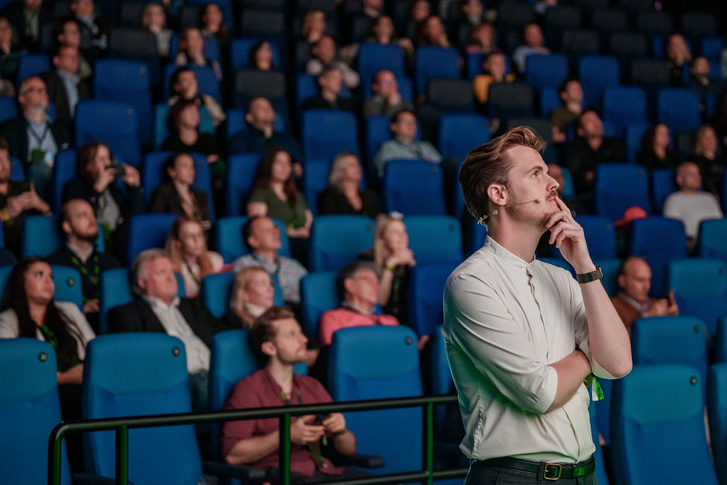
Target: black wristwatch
<point>592,276</point>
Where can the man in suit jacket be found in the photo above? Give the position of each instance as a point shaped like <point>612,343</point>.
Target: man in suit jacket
<point>159,309</point>
<point>28,18</point>
<point>65,87</point>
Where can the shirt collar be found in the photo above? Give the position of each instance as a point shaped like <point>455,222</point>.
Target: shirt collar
<point>507,256</point>
<point>157,303</point>
<point>639,306</point>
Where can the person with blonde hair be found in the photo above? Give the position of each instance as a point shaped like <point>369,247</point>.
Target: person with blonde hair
<point>252,293</point>
<point>187,249</point>
<point>344,194</point>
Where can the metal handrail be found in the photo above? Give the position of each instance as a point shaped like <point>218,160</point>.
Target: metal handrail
<point>284,413</point>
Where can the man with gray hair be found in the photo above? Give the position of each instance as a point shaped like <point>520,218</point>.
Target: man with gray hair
<point>160,309</point>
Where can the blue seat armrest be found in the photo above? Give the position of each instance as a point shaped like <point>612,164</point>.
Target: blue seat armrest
<point>245,472</point>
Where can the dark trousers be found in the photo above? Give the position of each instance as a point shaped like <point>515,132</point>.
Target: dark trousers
<point>485,475</point>
<point>318,477</point>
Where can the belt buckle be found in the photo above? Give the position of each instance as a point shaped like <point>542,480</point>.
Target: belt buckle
<point>552,471</point>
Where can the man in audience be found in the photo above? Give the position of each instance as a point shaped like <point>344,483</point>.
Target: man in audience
<point>262,238</point>
<point>632,301</point>
<point>78,223</point>
<point>65,87</point>
<point>589,149</point>
<point>17,201</point>
<point>386,99</point>
<point>33,137</point>
<point>67,31</point>
<point>532,44</point>
<point>404,145</point>
<point>571,93</point>
<point>690,204</point>
<point>95,28</point>
<point>324,56</point>
<point>28,18</point>
<point>330,82</point>
<point>276,338</point>
<point>185,86</point>
<point>159,309</point>
<point>261,135</point>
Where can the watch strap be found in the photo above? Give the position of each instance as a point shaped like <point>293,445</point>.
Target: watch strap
<point>597,274</point>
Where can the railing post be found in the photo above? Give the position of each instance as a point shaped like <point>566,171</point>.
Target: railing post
<point>54,458</point>
<point>284,449</point>
<point>122,455</point>
<point>429,441</point>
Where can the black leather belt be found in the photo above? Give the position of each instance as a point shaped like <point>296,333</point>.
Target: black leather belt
<point>550,471</point>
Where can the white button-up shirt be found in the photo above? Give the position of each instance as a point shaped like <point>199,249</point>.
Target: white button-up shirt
<point>505,322</point>
<point>198,355</point>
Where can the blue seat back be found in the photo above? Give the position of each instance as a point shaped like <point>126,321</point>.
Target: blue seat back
<point>215,292</point>
<point>147,231</point>
<point>115,124</point>
<point>230,245</point>
<point>662,185</point>
<point>240,53</point>
<point>29,410</point>
<point>619,186</point>
<point>373,57</point>
<point>546,71</point>
<point>426,196</point>
<point>206,80</point>
<point>434,62</point>
<point>64,170</point>
<point>711,240</point>
<point>658,426</point>
<point>315,181</point>
<point>623,105</point>
<point>240,176</point>
<point>659,240</point>
<point>426,287</point>
<point>435,239</point>
<point>600,234</point>
<point>596,74</point>
<point>318,294</point>
<point>601,477</point>
<point>153,380</point>
<point>700,288</point>
<point>460,133</point>
<point>8,108</point>
<point>336,240</point>
<point>717,411</point>
<point>52,239</point>
<point>30,65</point>
<point>394,434</point>
<point>68,285</point>
<point>678,108</point>
<point>115,291</point>
<point>326,133</point>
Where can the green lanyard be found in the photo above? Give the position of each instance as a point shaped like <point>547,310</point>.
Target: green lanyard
<point>94,276</point>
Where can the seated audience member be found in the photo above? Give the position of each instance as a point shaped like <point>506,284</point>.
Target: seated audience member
<point>262,238</point>
<point>532,44</point>
<point>430,32</point>
<point>159,309</point>
<point>677,55</point>
<point>17,201</point>
<point>571,93</point>
<point>191,51</point>
<point>382,32</point>
<point>10,53</point>
<point>589,149</point>
<point>275,195</point>
<point>386,99</point>
<point>495,69</point>
<point>184,86</point>
<point>177,195</point>
<point>711,162</point>
<point>324,57</point>
<point>28,17</point>
<point>655,149</point>
<point>96,172</point>
<point>261,135</point>
<point>154,20</point>
<point>632,301</point>
<point>212,24</point>
<point>78,223</point>
<point>95,29</point>
<point>344,194</point>
<point>690,204</point>
<point>313,26</point>
<point>482,39</point>
<point>67,31</point>
<point>33,137</point>
<point>261,56</point>
<point>65,87</point>
<point>277,337</point>
<point>404,145</point>
<point>373,8</point>
<point>187,249</point>
<point>330,82</point>
<point>392,255</point>
<point>252,293</point>
<point>359,286</point>
<point>700,80</point>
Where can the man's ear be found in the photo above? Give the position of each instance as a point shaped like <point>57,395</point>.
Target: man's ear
<point>66,226</point>
<point>268,348</point>
<point>348,285</point>
<point>621,280</point>
<point>497,194</point>
<point>253,242</point>
<point>141,283</point>
<point>248,118</point>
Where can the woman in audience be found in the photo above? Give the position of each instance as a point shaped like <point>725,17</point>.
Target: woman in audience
<point>430,32</point>
<point>212,23</point>
<point>274,194</point>
<point>382,32</point>
<point>261,56</point>
<point>96,172</point>
<point>154,20</point>
<point>655,149</point>
<point>711,162</point>
<point>176,195</point>
<point>187,248</point>
<point>482,39</point>
<point>313,26</point>
<point>184,135</point>
<point>678,54</point>
<point>252,293</point>
<point>392,254</point>
<point>191,51</point>
<point>67,31</point>
<point>344,194</point>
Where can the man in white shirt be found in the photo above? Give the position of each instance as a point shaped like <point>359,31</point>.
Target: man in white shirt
<point>689,204</point>
<point>523,336</point>
<point>159,309</point>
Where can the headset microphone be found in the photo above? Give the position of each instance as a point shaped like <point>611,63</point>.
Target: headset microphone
<point>482,219</point>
